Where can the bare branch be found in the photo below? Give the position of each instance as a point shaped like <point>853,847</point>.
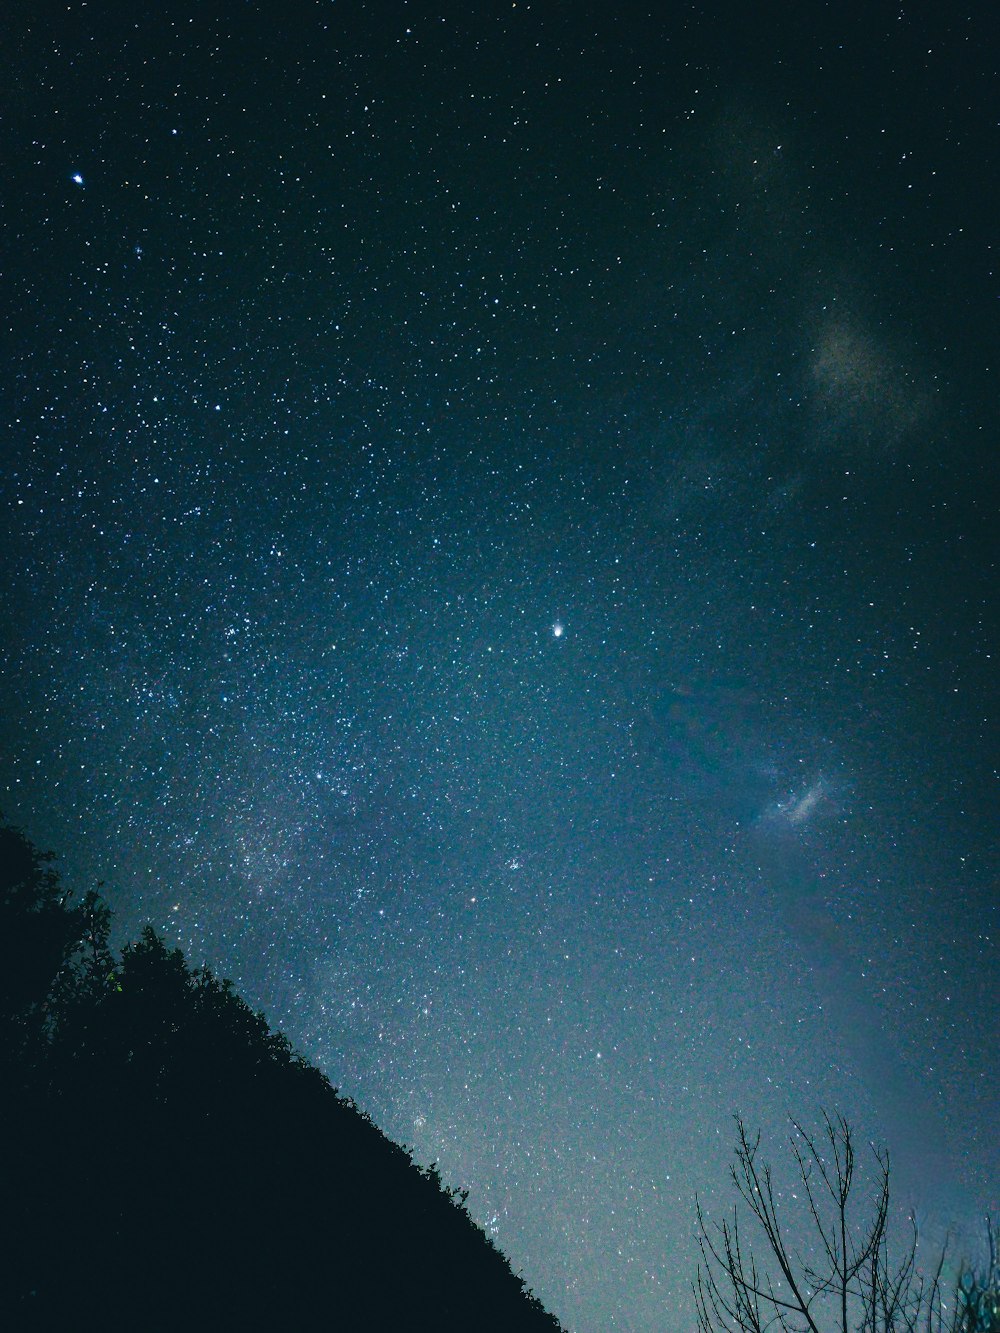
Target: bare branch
<point>852,1279</point>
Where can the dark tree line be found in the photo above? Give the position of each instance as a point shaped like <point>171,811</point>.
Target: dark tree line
<point>168,1161</point>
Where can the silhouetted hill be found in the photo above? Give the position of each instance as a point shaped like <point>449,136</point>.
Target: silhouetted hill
<point>169,1162</point>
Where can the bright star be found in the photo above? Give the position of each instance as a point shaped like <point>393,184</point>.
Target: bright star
<point>558,630</point>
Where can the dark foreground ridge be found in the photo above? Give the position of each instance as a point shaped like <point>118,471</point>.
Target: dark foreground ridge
<point>170,1162</point>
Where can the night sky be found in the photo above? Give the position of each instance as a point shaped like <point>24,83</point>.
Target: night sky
<point>499,551</point>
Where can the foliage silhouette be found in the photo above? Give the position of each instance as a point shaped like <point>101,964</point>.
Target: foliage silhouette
<point>171,1162</point>
<point>979,1291</point>
<point>842,1280</point>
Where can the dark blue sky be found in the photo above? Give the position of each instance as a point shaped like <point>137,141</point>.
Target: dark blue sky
<point>354,350</point>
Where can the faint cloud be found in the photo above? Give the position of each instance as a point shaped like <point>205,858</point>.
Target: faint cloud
<point>864,381</point>
<point>802,807</point>
<point>866,393</point>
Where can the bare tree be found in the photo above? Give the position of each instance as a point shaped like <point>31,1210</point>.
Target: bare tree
<point>843,1281</point>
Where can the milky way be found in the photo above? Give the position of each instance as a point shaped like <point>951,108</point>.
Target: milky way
<point>500,564</point>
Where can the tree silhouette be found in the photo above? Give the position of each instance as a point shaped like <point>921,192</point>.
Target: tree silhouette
<point>843,1280</point>
<point>979,1291</point>
<point>169,1161</point>
<point>39,933</point>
